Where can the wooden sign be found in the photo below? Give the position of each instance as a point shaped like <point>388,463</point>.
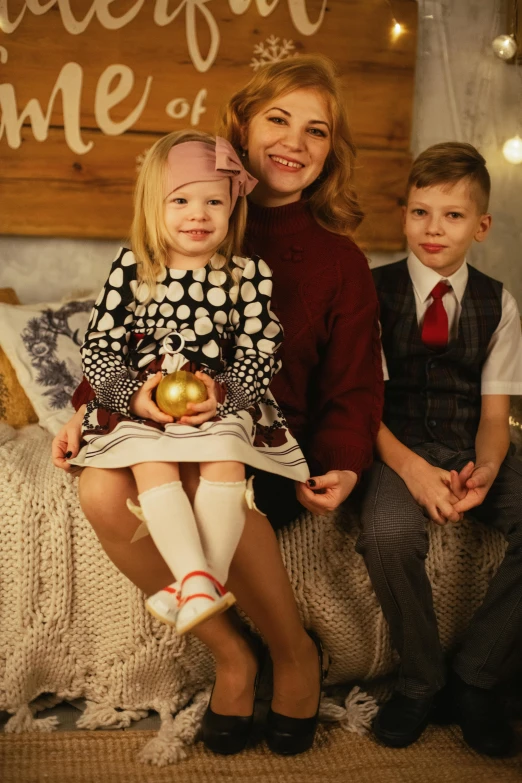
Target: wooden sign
<point>86,86</point>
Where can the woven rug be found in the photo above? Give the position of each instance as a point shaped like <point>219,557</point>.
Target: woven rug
<point>338,757</point>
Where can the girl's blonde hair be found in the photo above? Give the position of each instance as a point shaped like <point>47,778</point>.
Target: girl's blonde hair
<point>332,196</point>
<point>149,235</point>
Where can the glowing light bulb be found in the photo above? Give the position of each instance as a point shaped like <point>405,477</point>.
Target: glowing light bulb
<point>512,150</point>
<point>397,30</point>
<point>504,46</point>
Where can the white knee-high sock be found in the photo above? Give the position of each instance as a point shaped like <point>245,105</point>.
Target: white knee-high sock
<point>220,510</point>
<point>173,528</point>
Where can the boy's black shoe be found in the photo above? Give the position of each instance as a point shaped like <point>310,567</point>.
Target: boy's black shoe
<point>401,721</point>
<point>480,715</point>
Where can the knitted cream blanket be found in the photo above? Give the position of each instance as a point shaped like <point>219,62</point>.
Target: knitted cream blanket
<point>72,626</point>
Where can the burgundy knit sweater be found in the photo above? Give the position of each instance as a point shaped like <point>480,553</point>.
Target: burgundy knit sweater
<point>330,387</point>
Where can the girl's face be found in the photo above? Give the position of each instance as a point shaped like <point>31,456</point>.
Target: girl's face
<point>287,143</point>
<point>196,219</point>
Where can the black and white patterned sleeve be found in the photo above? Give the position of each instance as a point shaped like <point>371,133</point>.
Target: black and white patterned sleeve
<point>258,335</point>
<point>106,340</point>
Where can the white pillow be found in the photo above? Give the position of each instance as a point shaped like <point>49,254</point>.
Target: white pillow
<point>42,342</point>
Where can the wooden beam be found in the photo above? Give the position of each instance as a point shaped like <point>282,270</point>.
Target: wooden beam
<point>48,191</point>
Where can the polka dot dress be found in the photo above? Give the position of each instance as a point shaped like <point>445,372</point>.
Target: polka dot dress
<point>194,319</point>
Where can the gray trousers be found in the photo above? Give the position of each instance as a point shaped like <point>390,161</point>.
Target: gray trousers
<point>394,543</point>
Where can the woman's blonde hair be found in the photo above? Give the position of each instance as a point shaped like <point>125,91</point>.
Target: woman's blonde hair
<point>149,235</point>
<point>332,196</point>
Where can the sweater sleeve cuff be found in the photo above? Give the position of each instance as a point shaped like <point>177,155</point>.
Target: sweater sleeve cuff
<point>353,459</point>
<point>116,392</point>
<point>233,397</point>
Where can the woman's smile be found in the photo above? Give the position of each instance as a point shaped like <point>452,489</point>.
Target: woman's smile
<point>287,143</point>
<point>286,162</point>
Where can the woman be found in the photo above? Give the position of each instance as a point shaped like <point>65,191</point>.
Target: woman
<point>289,125</point>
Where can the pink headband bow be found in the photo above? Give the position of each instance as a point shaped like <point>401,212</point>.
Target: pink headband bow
<point>197,161</point>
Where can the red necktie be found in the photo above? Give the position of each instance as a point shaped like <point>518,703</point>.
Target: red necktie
<point>435,326</point>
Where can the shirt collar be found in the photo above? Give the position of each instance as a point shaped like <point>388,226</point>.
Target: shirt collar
<point>425,279</point>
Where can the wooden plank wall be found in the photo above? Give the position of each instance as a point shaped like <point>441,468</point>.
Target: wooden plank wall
<point>48,188</point>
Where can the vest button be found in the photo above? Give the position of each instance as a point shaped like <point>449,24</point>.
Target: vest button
<point>432,423</point>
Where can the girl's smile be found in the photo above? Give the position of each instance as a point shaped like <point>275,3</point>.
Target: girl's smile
<point>196,219</point>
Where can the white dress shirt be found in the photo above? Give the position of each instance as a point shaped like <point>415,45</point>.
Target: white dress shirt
<point>502,370</point>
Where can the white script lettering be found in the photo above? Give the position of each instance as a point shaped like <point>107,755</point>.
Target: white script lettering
<point>69,82</point>
<point>179,108</point>
<point>106,98</point>
<point>162,18</point>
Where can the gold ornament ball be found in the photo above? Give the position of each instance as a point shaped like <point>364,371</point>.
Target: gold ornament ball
<point>176,390</point>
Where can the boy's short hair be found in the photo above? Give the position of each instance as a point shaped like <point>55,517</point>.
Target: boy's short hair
<point>451,162</point>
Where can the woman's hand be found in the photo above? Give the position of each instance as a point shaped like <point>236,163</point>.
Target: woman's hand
<point>322,494</point>
<point>198,413</point>
<point>66,443</point>
<point>143,406</point>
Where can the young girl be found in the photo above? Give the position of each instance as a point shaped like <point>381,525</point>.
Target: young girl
<point>182,299</point>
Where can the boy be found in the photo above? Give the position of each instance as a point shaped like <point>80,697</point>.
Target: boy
<point>452,342</point>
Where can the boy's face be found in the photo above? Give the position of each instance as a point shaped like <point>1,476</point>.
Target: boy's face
<point>441,222</point>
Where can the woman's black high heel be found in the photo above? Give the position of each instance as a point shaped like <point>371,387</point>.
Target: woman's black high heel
<point>290,736</point>
<point>229,734</point>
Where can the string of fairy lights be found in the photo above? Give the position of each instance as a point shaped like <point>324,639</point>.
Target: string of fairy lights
<point>506,48</point>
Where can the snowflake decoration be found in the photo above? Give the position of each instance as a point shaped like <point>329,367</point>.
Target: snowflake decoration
<point>140,159</point>
<point>273,50</point>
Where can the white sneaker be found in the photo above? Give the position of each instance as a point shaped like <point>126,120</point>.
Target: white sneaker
<point>164,604</point>
<point>202,597</point>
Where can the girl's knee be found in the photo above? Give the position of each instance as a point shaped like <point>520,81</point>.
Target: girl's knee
<point>153,474</point>
<point>223,471</point>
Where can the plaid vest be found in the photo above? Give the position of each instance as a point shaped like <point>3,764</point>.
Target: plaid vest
<point>435,395</point>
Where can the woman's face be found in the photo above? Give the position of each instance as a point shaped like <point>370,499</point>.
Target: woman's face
<point>287,142</point>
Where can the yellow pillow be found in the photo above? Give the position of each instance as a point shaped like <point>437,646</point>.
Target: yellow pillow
<point>15,408</point>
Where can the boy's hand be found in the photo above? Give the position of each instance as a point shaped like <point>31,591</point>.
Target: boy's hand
<point>477,486</point>
<point>143,406</point>
<point>431,488</point>
<point>326,492</point>
<point>458,480</point>
<point>66,443</point>
<point>200,412</point>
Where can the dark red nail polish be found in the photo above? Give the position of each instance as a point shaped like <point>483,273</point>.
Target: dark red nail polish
<point>311,483</point>
<point>68,455</point>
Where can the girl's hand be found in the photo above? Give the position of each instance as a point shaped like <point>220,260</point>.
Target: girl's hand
<point>143,406</point>
<point>322,494</point>
<point>66,443</point>
<point>198,413</point>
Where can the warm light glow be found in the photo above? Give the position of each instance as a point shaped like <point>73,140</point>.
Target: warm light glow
<point>512,150</point>
<point>397,30</point>
<point>505,46</point>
